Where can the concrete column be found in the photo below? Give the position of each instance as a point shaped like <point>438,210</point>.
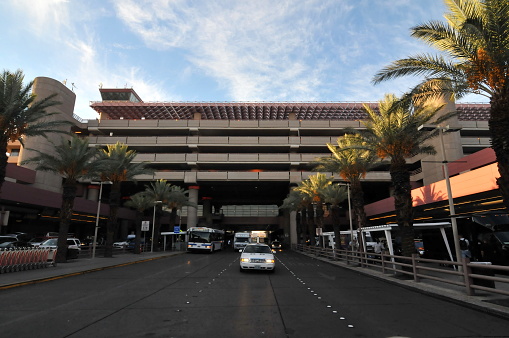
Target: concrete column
<point>432,168</point>
<point>207,210</point>
<point>192,212</point>
<point>293,227</point>
<point>44,87</point>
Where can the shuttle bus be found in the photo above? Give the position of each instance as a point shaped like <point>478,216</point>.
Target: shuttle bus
<point>204,239</point>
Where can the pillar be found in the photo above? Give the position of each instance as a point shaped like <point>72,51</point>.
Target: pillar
<point>192,212</point>
<point>207,210</point>
<point>293,227</point>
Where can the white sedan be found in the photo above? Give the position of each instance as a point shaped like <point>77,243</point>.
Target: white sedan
<point>257,257</point>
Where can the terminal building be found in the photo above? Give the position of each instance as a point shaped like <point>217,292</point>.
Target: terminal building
<point>239,160</point>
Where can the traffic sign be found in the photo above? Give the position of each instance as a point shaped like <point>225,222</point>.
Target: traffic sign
<point>145,225</point>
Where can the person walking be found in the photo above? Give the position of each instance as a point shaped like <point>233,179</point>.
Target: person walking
<point>465,247</point>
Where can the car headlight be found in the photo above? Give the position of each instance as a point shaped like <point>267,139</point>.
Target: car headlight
<point>244,260</point>
<point>269,261</point>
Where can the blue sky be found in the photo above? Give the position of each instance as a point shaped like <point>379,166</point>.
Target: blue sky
<point>211,50</point>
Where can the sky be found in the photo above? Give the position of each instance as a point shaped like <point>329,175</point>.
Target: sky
<point>215,50</point>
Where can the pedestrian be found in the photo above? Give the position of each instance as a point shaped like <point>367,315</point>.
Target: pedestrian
<point>465,247</point>
<point>378,247</point>
<point>488,253</point>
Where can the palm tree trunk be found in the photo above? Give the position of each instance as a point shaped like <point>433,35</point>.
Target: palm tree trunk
<point>400,177</point>
<point>499,125</point>
<point>3,160</point>
<point>68,196</point>
<point>112,226</point>
<point>157,227</point>
<point>336,226</point>
<point>173,219</point>
<point>359,214</point>
<point>311,225</point>
<point>137,240</point>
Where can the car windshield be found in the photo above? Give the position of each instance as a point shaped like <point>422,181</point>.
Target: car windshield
<point>257,249</point>
<point>7,239</point>
<point>51,241</point>
<point>503,236</point>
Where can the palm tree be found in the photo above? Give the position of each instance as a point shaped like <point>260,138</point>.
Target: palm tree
<point>334,195</point>
<point>140,202</point>
<point>474,46</point>
<point>313,187</point>
<point>392,132</point>
<point>351,160</point>
<point>119,167</point>
<point>177,198</point>
<point>158,191</point>
<point>21,115</point>
<point>74,160</point>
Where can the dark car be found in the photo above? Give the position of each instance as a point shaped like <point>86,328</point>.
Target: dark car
<point>276,245</point>
<point>21,236</point>
<point>131,242</point>
<point>8,238</point>
<point>15,245</point>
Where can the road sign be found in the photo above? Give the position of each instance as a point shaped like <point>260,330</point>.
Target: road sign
<point>176,229</point>
<point>145,225</point>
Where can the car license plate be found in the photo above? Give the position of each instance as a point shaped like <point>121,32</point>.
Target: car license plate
<point>257,267</point>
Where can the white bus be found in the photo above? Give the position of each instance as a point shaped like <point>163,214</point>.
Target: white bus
<point>204,239</point>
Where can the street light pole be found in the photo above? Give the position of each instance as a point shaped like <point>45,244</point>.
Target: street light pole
<point>452,210</point>
<point>94,245</point>
<point>350,212</point>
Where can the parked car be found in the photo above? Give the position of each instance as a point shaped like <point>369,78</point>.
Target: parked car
<point>257,256</point>
<point>15,245</point>
<point>8,238</point>
<point>121,245</point>
<point>131,242</point>
<point>36,241</point>
<point>20,236</point>
<point>73,246</point>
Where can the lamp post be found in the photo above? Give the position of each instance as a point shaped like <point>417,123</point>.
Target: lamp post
<point>156,203</point>
<point>94,244</point>
<point>452,211</point>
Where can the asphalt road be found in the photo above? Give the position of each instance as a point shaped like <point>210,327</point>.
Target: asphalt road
<point>205,295</point>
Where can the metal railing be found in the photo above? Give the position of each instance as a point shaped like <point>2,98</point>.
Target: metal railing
<point>12,260</point>
<point>467,275</point>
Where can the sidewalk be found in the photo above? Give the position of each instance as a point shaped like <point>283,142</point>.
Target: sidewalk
<point>76,267</point>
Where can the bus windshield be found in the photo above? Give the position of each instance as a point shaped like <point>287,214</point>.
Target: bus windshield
<point>199,237</point>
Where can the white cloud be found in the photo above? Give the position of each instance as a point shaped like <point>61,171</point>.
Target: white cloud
<point>256,50</point>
